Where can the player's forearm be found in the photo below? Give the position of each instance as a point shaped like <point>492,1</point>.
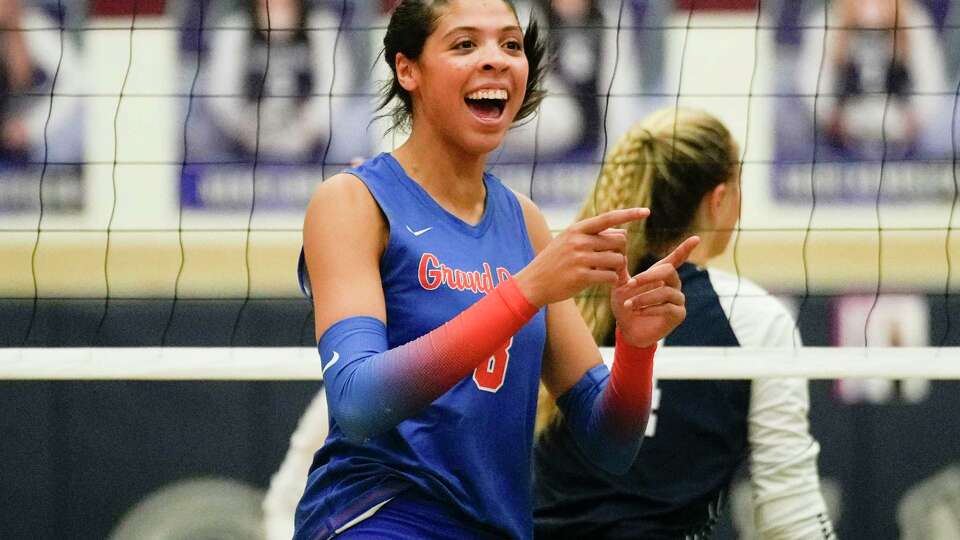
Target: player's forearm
<point>788,502</point>
<point>371,389</point>
<point>808,523</point>
<point>625,408</point>
<point>607,413</point>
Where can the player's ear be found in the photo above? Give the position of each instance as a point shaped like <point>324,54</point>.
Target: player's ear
<point>716,200</point>
<point>407,72</point>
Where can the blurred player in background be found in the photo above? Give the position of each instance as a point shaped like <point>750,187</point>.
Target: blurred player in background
<point>872,62</point>
<point>16,76</point>
<point>576,41</point>
<point>277,68</point>
<point>429,278</point>
<point>880,67</point>
<point>683,165</point>
<point>41,109</point>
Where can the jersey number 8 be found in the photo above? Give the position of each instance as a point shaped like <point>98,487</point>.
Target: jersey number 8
<point>490,375</point>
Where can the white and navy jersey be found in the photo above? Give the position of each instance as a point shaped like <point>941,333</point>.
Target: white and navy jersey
<point>700,432</point>
<point>471,448</point>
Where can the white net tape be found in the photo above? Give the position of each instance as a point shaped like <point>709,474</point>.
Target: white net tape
<point>301,363</point>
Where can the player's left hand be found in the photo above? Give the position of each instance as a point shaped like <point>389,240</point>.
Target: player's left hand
<point>649,306</point>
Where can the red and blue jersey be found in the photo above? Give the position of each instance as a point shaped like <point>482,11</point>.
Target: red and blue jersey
<point>471,448</point>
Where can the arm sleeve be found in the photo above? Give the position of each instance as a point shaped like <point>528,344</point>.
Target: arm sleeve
<point>788,504</point>
<point>607,412</point>
<point>371,389</point>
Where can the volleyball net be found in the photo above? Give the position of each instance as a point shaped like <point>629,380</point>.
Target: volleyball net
<point>163,152</point>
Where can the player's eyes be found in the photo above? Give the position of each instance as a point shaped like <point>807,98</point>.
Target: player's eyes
<point>464,44</point>
<point>513,45</point>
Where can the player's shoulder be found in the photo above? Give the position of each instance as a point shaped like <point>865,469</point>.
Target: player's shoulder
<point>343,212</point>
<point>342,200</point>
<point>727,283</point>
<point>341,187</point>
<point>754,314</point>
<point>358,180</point>
<point>526,203</point>
<point>537,228</point>
<point>531,212</point>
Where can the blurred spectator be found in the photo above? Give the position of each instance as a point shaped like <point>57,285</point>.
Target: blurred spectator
<point>882,61</point>
<point>576,42</point>
<point>649,38</point>
<point>16,77</point>
<point>872,58</point>
<point>39,64</point>
<point>268,83</point>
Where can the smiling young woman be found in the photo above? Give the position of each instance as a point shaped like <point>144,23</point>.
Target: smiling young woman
<point>441,301</point>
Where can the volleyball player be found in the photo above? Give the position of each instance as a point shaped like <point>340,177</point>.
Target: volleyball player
<point>429,280</point>
<point>682,164</point>
<point>272,72</point>
<point>16,72</point>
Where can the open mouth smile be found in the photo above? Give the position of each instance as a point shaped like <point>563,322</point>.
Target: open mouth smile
<point>487,105</point>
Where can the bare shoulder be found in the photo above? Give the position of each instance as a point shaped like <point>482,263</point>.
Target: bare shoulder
<point>342,188</point>
<point>342,204</point>
<point>344,196</point>
<point>526,204</point>
<point>537,228</point>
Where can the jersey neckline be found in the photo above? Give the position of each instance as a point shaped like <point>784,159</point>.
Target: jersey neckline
<point>434,207</point>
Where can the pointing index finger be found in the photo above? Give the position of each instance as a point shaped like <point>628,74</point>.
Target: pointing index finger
<point>613,218</point>
<point>679,255</point>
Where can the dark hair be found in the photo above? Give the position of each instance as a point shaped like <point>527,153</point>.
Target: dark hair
<point>411,24</point>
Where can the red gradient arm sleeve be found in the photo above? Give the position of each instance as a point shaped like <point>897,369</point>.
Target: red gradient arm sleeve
<point>607,412</point>
<point>628,394</point>
<point>371,389</point>
<point>453,350</point>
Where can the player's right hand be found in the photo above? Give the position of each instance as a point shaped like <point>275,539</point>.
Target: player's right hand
<point>589,252</point>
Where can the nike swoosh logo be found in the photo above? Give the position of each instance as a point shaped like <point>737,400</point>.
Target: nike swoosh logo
<point>418,233</point>
<point>336,356</point>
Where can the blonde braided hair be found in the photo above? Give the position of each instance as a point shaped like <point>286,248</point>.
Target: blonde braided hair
<point>667,162</point>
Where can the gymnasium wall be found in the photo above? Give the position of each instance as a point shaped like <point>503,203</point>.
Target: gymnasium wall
<point>142,117</point>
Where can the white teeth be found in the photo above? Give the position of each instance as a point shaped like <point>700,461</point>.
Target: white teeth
<point>488,94</point>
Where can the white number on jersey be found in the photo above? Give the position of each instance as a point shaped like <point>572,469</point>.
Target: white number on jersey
<point>654,405</point>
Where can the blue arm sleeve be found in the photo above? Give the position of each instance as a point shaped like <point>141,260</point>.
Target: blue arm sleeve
<point>585,414</point>
<point>356,370</point>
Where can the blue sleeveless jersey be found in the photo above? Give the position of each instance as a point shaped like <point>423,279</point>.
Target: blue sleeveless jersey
<point>471,448</point>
